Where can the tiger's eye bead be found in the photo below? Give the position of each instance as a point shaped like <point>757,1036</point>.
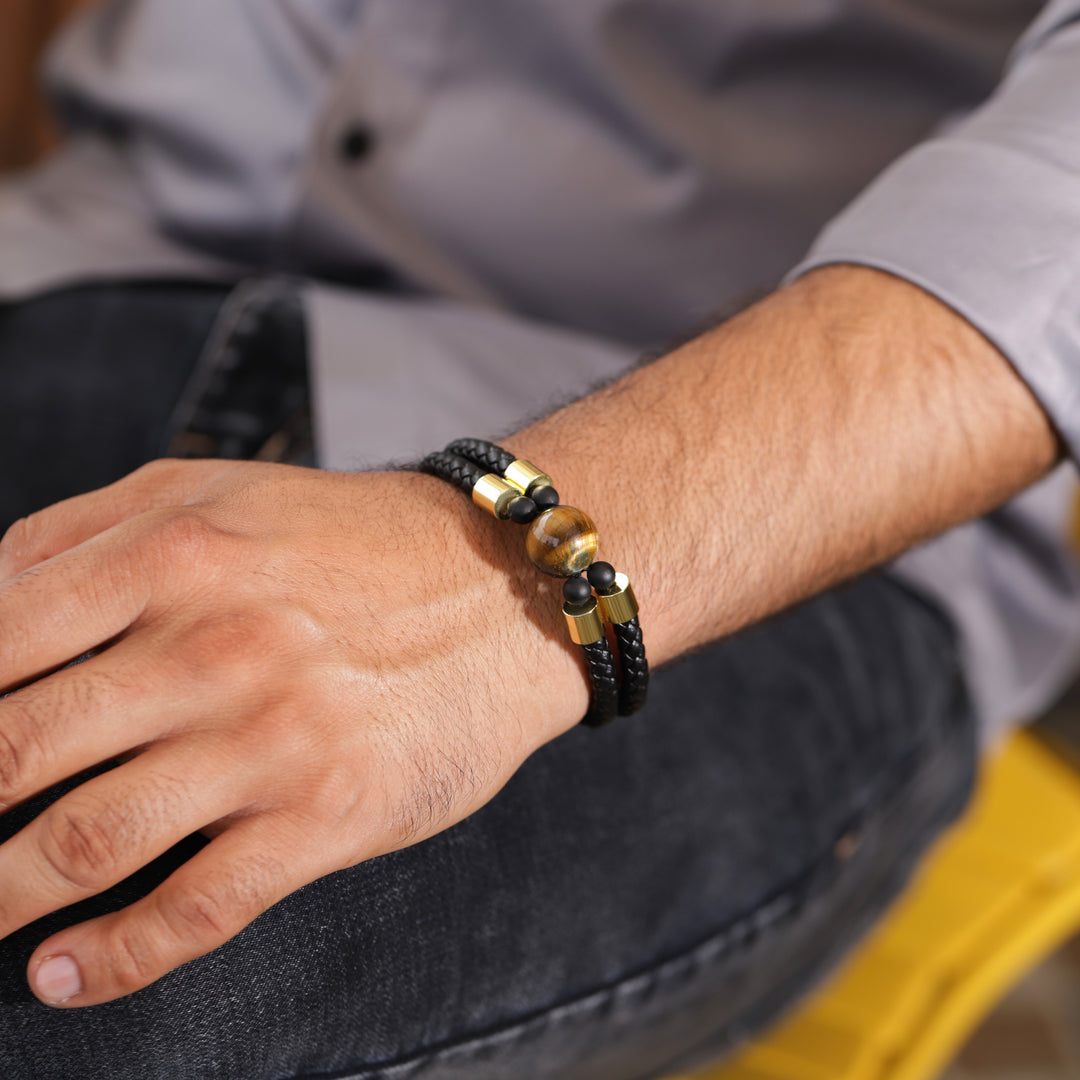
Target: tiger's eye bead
<point>562,541</point>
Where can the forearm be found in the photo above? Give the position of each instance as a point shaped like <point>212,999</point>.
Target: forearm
<point>816,435</point>
<point>315,668</point>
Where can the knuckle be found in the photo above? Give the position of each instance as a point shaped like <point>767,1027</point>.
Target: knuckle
<point>130,959</point>
<point>80,847</point>
<point>19,752</point>
<point>18,540</point>
<point>12,767</point>
<point>202,915</point>
<point>227,638</point>
<point>235,642</point>
<point>182,545</point>
<point>158,467</point>
<point>274,734</point>
<point>160,473</point>
<point>331,796</point>
<point>199,916</point>
<point>182,532</point>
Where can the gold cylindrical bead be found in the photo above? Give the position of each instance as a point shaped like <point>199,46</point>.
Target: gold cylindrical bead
<point>494,494</point>
<point>619,604</point>
<point>525,476</point>
<point>584,622</point>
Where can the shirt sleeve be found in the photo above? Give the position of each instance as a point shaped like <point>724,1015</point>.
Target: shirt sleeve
<point>986,216</point>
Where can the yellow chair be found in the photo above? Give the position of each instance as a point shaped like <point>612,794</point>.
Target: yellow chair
<point>1000,892</point>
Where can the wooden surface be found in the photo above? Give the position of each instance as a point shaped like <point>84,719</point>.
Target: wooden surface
<point>25,26</point>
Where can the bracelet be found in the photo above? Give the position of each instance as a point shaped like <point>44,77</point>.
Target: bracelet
<point>562,541</point>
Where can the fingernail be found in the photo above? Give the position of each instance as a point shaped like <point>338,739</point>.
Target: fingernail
<point>57,979</point>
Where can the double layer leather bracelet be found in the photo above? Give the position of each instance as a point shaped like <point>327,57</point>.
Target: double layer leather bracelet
<point>561,541</point>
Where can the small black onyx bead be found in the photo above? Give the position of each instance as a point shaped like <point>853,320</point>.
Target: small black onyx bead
<point>523,510</point>
<point>545,497</point>
<point>601,576</point>
<point>576,590</point>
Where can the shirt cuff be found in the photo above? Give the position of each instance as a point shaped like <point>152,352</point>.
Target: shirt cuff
<point>995,234</point>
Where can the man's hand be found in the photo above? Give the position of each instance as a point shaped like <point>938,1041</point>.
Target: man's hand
<point>312,668</point>
<point>317,668</point>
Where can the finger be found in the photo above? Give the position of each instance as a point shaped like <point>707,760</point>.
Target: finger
<point>199,907</point>
<point>63,608</point>
<point>90,713</point>
<point>65,525</point>
<point>114,824</point>
<point>86,596</point>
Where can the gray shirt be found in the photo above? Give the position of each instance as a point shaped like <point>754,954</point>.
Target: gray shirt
<point>558,185</point>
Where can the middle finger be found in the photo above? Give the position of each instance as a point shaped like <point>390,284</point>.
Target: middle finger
<point>86,714</point>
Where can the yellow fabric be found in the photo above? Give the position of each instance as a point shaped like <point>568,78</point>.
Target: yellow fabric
<point>1000,892</point>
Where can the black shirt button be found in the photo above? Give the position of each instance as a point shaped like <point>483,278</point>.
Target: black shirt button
<point>357,143</point>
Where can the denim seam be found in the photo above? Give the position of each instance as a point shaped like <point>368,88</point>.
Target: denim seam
<point>242,299</point>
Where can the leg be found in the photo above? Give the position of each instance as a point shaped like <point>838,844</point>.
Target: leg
<point>634,898</point>
<point>89,379</point>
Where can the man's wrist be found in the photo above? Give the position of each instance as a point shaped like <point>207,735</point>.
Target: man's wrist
<point>814,436</point>
<point>516,615</point>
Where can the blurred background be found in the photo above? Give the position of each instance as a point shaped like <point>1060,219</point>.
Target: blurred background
<point>1035,1032</point>
<point>25,26</point>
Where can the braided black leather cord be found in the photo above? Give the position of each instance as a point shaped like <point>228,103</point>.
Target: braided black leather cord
<point>603,683</point>
<point>486,454</point>
<point>462,464</point>
<point>634,687</point>
<point>453,469</point>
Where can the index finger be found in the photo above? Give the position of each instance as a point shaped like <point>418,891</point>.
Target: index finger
<point>66,524</point>
<point>59,609</point>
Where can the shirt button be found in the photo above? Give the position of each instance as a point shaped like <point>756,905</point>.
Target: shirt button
<point>356,143</point>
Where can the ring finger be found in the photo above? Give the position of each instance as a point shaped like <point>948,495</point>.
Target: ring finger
<point>91,712</point>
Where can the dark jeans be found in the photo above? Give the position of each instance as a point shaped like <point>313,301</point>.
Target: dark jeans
<point>636,899</point>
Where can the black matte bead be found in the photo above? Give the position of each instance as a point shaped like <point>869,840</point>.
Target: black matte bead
<point>523,510</point>
<point>576,590</point>
<point>545,497</point>
<point>601,576</point>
